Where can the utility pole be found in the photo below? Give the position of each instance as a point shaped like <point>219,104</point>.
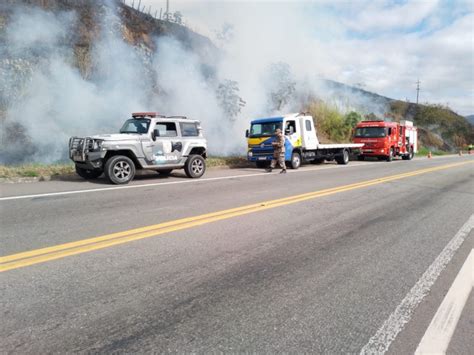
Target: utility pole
<point>417,90</point>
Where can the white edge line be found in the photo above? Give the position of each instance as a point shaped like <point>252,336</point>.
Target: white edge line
<point>441,329</point>
<point>380,342</point>
<point>9,198</point>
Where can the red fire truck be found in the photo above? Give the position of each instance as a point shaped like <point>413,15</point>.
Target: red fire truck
<point>386,140</point>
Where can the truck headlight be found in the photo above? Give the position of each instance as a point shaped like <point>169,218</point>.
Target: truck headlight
<point>250,154</point>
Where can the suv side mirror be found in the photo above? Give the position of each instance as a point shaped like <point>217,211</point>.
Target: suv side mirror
<point>247,133</point>
<point>154,134</point>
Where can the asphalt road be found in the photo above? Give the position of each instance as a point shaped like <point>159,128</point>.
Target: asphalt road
<point>319,273</point>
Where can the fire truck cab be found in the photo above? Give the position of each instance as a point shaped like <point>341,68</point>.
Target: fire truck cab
<point>386,140</point>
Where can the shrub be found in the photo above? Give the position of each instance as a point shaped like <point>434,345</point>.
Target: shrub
<point>331,123</point>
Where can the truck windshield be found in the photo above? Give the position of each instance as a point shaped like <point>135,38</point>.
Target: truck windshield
<point>370,132</point>
<point>265,129</point>
<point>135,126</point>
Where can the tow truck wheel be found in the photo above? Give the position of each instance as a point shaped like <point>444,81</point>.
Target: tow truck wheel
<point>88,174</point>
<point>295,162</point>
<point>195,166</point>
<point>390,155</point>
<point>119,169</point>
<point>343,159</point>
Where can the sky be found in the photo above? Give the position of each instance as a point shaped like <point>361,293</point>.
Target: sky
<point>381,46</point>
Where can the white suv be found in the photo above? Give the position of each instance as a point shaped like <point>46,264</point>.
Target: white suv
<point>146,141</point>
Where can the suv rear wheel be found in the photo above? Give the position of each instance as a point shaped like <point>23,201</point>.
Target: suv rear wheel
<point>88,174</point>
<point>119,169</point>
<point>195,166</point>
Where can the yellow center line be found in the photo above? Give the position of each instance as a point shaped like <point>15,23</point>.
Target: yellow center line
<point>36,256</point>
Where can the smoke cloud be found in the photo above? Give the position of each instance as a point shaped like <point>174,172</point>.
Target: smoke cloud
<point>43,88</point>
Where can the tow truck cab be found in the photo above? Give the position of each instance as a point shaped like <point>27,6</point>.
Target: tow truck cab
<point>261,135</point>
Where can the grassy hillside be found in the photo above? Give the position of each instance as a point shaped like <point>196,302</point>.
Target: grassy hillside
<point>439,127</point>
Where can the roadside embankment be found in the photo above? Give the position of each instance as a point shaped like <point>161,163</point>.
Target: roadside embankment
<point>65,171</point>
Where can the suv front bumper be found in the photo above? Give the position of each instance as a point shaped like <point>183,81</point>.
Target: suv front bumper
<point>83,154</point>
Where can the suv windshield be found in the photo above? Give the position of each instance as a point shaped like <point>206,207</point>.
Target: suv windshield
<point>370,132</point>
<point>264,129</point>
<point>134,125</point>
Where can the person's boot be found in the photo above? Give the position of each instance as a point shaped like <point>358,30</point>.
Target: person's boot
<point>283,171</point>
<point>269,169</point>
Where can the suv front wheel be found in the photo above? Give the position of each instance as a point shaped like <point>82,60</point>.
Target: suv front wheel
<point>195,166</point>
<point>119,169</point>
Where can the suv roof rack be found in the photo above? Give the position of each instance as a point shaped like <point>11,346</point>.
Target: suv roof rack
<point>177,117</point>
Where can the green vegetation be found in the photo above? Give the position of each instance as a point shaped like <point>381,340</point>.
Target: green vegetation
<point>35,170</point>
<point>331,123</point>
<point>454,130</point>
<point>440,130</point>
<point>231,162</point>
<point>423,151</point>
<point>43,170</point>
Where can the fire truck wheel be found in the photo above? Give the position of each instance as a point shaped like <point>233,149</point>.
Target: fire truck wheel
<point>88,173</point>
<point>390,155</point>
<point>295,160</point>
<point>409,156</point>
<point>195,166</point>
<point>119,169</point>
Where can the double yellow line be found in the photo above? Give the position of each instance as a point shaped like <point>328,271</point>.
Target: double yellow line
<point>36,256</point>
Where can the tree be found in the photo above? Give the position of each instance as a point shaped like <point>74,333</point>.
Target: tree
<point>352,119</point>
<point>229,100</point>
<point>281,85</point>
<point>371,117</point>
<point>226,34</point>
<point>178,17</point>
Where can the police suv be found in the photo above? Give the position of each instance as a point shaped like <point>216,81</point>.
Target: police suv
<point>146,141</point>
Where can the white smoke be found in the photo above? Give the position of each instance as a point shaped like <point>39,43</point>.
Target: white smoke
<point>53,100</point>
<point>56,101</point>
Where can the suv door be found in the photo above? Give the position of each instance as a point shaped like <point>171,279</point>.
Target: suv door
<point>167,148</point>
<point>190,135</point>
